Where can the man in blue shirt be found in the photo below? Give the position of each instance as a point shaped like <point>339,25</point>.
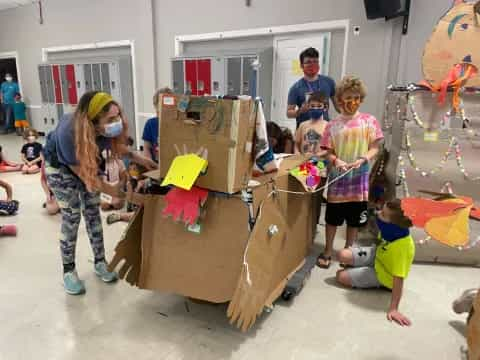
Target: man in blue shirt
<point>8,89</point>
<point>150,130</point>
<point>311,82</point>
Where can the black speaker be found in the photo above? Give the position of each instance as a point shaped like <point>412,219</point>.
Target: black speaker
<point>382,8</point>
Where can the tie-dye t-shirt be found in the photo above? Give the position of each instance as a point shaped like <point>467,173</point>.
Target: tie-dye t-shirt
<point>350,139</point>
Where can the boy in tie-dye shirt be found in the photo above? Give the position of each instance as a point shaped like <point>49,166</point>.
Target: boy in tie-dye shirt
<point>352,140</point>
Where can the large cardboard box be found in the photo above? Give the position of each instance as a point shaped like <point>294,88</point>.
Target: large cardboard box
<point>226,128</point>
<point>225,262</point>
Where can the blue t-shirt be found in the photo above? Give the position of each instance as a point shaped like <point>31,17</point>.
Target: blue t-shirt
<point>9,89</point>
<point>62,142</point>
<point>150,134</point>
<point>296,95</point>
<point>19,110</point>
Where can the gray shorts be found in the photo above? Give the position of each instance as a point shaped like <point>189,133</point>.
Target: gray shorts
<point>363,273</point>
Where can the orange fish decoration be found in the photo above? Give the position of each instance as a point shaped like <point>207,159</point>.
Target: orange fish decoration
<point>445,219</point>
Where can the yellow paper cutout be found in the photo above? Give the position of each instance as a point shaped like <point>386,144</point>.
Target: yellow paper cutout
<point>296,68</point>
<point>185,170</point>
<point>451,230</point>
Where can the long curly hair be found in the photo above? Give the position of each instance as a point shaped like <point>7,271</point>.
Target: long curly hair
<point>86,148</point>
<point>350,83</point>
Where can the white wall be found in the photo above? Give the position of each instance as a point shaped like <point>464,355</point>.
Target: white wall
<point>69,22</point>
<point>379,55</point>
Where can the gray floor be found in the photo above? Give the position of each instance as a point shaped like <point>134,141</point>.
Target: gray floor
<point>39,321</point>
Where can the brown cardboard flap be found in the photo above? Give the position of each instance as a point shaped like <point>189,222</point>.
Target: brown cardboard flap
<point>203,266</point>
<point>260,265</point>
<point>473,330</point>
<point>128,251</point>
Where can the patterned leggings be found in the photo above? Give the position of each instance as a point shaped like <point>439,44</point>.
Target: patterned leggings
<point>72,196</point>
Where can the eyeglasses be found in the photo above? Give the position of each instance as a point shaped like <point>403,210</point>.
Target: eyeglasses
<point>310,62</point>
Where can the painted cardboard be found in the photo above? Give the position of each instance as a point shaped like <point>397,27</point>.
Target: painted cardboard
<point>161,255</point>
<point>455,37</point>
<point>226,130</point>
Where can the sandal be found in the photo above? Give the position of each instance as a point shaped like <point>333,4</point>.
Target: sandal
<point>113,218</point>
<point>326,261</point>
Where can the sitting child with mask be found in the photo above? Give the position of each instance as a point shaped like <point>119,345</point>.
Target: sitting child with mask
<point>386,264</point>
<point>31,153</point>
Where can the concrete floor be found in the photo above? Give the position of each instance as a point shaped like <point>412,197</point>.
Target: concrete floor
<point>39,321</point>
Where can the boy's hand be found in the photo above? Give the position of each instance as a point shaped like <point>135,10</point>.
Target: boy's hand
<point>398,317</point>
<point>341,165</point>
<point>357,163</point>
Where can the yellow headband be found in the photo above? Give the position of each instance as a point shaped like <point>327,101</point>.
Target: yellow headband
<point>98,102</point>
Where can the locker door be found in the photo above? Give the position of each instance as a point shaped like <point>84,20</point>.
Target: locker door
<point>87,69</point>
<point>71,84</point>
<point>80,80</point>
<point>64,84</point>
<point>57,85</point>
<point>249,76</point>
<point>52,116</point>
<point>218,76</point>
<point>43,124</point>
<point>105,78</point>
<point>49,84</point>
<point>115,86</point>
<point>204,77</point>
<point>191,77</point>
<point>178,76</point>
<point>234,75</point>
<point>43,83</point>
<point>96,76</point>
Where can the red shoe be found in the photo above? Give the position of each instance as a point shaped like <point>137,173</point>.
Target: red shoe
<point>8,230</point>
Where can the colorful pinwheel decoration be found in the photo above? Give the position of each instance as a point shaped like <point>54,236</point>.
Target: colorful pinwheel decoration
<point>309,173</point>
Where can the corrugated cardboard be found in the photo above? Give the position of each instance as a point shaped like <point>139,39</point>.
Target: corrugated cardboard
<point>455,37</point>
<point>210,265</point>
<point>473,331</point>
<point>226,129</point>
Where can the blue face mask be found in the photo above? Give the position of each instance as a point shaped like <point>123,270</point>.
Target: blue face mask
<point>316,114</point>
<point>114,129</point>
<point>391,232</point>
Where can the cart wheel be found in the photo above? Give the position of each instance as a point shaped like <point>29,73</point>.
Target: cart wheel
<point>287,295</point>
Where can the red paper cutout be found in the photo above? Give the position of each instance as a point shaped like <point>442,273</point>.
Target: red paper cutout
<point>420,211</point>
<point>185,202</point>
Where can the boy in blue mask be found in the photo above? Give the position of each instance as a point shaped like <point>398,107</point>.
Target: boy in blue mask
<point>386,264</point>
<point>309,134</point>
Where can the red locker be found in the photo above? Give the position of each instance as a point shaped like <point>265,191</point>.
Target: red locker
<point>204,77</point>
<point>191,76</point>
<point>56,84</point>
<point>71,82</point>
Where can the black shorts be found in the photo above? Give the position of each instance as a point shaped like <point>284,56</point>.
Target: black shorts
<point>354,213</point>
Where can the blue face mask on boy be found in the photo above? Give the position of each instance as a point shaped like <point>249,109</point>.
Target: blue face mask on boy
<point>114,129</point>
<point>316,113</point>
<point>391,232</point>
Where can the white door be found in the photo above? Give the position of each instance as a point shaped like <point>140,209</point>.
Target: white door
<point>287,70</point>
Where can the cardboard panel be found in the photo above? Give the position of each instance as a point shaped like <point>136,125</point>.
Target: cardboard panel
<point>456,36</point>
<point>228,139</point>
<point>204,266</point>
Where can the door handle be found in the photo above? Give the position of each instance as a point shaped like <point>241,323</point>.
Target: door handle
<point>45,120</point>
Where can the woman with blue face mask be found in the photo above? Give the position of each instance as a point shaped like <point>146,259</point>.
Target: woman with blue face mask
<point>74,168</point>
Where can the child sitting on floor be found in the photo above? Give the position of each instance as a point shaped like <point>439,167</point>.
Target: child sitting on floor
<point>309,134</point>
<point>386,264</point>
<point>8,206</point>
<point>31,153</point>
<point>8,166</point>
<point>136,183</point>
<point>115,174</point>
<point>352,140</point>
